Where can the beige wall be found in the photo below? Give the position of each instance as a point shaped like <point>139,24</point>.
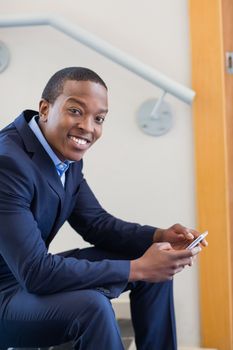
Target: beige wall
<point>136,177</point>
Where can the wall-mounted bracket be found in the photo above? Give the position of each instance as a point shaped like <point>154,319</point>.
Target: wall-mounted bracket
<point>4,56</point>
<point>155,117</point>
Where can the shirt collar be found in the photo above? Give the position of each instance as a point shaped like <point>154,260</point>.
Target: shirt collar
<point>38,133</point>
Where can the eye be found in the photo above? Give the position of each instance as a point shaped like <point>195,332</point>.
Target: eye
<point>75,111</point>
<point>99,119</point>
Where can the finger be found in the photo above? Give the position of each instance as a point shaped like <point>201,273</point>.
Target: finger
<point>184,240</point>
<point>196,250</point>
<point>184,262</point>
<point>204,243</point>
<point>179,266</point>
<point>194,257</point>
<point>191,261</point>
<point>185,253</point>
<point>195,233</point>
<point>184,231</point>
<point>181,237</point>
<point>188,235</point>
<point>181,254</point>
<point>179,269</point>
<point>188,262</point>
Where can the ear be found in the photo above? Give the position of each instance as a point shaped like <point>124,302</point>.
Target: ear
<point>43,110</point>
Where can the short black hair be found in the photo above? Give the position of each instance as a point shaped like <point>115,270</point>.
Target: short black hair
<point>54,86</point>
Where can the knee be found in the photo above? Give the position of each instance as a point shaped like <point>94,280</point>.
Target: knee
<point>96,310</point>
<point>89,305</point>
<point>99,304</point>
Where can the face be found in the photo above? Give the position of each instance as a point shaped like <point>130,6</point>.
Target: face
<point>75,120</point>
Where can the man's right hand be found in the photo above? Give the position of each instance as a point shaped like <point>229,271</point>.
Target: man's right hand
<point>160,263</point>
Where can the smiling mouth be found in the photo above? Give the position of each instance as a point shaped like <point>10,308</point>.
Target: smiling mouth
<point>78,140</point>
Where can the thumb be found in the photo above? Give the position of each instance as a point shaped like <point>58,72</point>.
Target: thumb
<point>163,246</point>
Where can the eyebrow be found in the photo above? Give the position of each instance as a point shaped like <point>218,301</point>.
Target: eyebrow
<point>83,104</point>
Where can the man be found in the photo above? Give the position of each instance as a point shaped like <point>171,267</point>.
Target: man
<point>50,299</point>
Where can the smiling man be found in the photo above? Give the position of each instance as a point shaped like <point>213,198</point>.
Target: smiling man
<point>48,299</point>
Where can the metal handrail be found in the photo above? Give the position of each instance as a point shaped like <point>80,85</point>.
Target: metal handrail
<point>144,71</point>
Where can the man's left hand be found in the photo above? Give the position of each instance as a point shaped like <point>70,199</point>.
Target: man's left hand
<point>178,236</point>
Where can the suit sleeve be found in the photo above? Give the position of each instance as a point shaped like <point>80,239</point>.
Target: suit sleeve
<point>106,231</point>
<point>25,252</point>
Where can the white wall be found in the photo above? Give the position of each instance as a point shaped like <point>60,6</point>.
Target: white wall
<point>136,177</point>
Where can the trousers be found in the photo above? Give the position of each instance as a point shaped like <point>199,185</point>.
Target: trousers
<point>86,317</point>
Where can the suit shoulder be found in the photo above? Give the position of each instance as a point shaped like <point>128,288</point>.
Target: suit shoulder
<point>9,140</point>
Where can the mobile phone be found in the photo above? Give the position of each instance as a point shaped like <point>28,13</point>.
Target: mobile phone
<point>197,240</point>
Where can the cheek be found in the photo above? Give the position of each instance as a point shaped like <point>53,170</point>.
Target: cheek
<point>57,127</point>
<point>98,133</point>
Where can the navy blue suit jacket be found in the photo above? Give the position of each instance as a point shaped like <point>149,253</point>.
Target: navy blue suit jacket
<point>34,205</point>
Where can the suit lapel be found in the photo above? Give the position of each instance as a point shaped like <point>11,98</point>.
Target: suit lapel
<point>38,154</point>
<point>48,170</point>
<point>73,176</point>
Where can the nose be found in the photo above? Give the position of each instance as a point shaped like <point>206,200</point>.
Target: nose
<point>86,123</point>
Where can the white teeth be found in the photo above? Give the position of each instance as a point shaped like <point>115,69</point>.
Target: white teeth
<point>78,141</point>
